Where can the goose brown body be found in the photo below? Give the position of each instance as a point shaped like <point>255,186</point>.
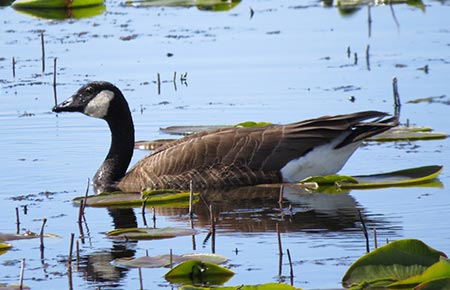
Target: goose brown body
<point>244,156</point>
<point>225,157</point>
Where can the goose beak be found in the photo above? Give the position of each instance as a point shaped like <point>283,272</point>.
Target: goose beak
<point>68,105</point>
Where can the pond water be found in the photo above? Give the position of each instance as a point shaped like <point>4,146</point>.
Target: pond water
<point>287,62</point>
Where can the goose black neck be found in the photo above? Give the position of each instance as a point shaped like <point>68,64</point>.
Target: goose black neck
<point>120,152</point>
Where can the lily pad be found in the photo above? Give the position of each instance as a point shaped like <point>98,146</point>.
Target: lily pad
<point>393,262</point>
<point>252,124</point>
<point>40,4</point>
<point>164,260</point>
<point>408,134</point>
<point>61,14</point>
<point>267,286</point>
<point>4,247</point>
<point>149,233</point>
<point>188,130</point>
<point>169,198</point>
<point>443,283</point>
<point>25,236</point>
<point>406,177</point>
<point>192,272</point>
<point>436,271</point>
<point>329,179</point>
<point>213,5</point>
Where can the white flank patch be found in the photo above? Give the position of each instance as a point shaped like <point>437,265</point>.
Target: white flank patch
<point>98,106</point>
<point>323,160</point>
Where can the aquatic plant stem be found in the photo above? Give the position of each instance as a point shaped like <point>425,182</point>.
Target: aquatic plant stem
<point>291,269</point>
<point>22,270</point>
<point>69,259</point>
<point>141,285</point>
<point>191,197</point>
<point>174,81</point>
<point>43,51</point>
<point>41,235</point>
<point>366,235</point>
<point>397,103</point>
<point>158,81</point>
<point>280,248</point>
<point>13,64</point>
<point>54,82</point>
<point>143,211</point>
<point>17,221</point>
<point>213,229</point>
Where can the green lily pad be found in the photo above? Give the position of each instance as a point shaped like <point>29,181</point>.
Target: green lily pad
<point>149,233</point>
<point>164,260</point>
<point>408,134</point>
<point>267,286</point>
<point>4,247</point>
<point>192,272</point>
<point>329,179</point>
<point>406,177</point>
<point>443,283</point>
<point>168,198</point>
<point>33,4</point>
<point>393,262</point>
<point>252,124</point>
<point>436,271</point>
<point>61,14</point>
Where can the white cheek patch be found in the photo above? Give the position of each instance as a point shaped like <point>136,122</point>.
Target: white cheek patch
<point>98,106</point>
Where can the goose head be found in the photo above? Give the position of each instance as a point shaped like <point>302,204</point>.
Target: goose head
<point>95,99</point>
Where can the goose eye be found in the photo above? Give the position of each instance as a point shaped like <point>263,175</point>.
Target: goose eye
<point>89,90</point>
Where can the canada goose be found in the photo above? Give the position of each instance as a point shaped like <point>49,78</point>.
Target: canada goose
<point>226,157</point>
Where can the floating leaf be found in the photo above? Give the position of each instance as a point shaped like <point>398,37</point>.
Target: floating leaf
<point>404,177</point>
<point>30,4</point>
<point>252,124</point>
<point>60,14</point>
<point>188,130</point>
<point>408,134</point>
<point>149,233</point>
<point>436,271</point>
<point>267,286</point>
<point>390,263</point>
<point>25,236</point>
<point>164,260</point>
<point>13,287</point>
<point>198,272</point>
<point>213,5</point>
<point>329,179</point>
<point>169,198</point>
<point>4,247</point>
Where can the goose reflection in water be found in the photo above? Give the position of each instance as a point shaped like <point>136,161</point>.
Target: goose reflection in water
<point>244,210</point>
